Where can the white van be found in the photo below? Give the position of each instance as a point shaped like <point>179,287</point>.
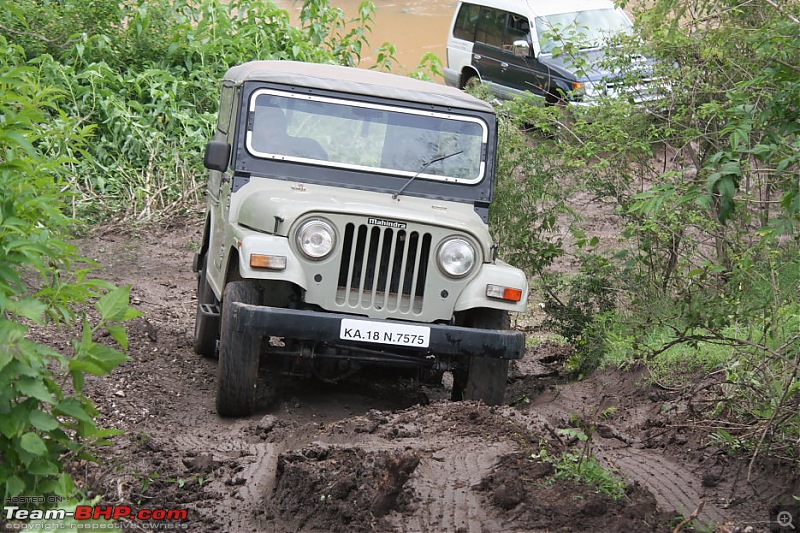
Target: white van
<point>518,47</point>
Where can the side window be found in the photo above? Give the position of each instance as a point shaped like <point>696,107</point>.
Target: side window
<point>225,106</point>
<point>235,95</point>
<point>466,21</point>
<point>491,27</point>
<point>517,28</point>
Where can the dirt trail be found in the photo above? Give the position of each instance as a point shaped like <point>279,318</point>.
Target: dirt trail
<point>377,454</point>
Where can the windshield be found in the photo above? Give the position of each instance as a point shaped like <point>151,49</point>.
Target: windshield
<point>587,29</point>
<point>367,137</point>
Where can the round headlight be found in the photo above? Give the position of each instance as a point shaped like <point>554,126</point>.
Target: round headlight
<point>316,238</point>
<point>456,257</point>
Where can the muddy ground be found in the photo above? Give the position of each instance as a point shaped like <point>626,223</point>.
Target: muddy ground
<point>382,454</point>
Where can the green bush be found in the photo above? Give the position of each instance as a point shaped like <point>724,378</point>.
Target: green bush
<point>45,420</point>
<point>529,196</point>
<point>705,185</point>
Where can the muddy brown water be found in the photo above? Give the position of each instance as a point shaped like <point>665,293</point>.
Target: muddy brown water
<point>415,27</point>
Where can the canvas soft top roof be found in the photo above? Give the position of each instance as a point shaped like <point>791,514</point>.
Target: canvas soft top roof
<point>355,81</point>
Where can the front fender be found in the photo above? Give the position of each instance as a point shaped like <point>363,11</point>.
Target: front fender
<point>250,242</point>
<point>498,273</point>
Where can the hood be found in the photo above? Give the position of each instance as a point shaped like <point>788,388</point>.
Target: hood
<point>569,66</point>
<point>272,206</point>
<point>589,64</point>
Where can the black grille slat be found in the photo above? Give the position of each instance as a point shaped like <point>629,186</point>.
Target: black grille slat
<point>399,279</point>
<point>423,264</point>
<point>348,256</point>
<point>359,270</point>
<point>376,270</point>
<point>388,272</point>
<point>383,268</point>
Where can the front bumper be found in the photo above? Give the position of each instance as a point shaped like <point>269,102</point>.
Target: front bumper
<point>319,327</point>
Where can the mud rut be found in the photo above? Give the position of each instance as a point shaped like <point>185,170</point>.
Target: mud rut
<point>376,454</point>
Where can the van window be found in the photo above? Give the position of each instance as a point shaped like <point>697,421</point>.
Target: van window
<point>501,28</point>
<point>517,29</point>
<point>491,26</point>
<point>587,28</point>
<point>466,21</point>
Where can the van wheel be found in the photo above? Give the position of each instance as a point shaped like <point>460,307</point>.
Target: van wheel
<point>554,97</point>
<point>471,82</point>
<point>206,330</point>
<point>237,373</point>
<point>483,378</point>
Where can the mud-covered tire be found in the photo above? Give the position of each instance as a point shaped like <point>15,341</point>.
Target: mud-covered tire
<point>237,372</point>
<point>483,378</point>
<point>206,331</point>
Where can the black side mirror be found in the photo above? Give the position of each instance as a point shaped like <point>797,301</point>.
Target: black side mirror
<point>217,156</point>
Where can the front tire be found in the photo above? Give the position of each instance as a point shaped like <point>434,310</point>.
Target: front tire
<point>483,378</point>
<point>239,352</point>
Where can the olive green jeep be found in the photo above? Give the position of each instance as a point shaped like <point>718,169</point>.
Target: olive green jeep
<point>347,225</point>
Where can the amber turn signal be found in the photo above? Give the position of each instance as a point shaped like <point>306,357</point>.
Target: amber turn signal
<point>270,262</point>
<point>504,293</point>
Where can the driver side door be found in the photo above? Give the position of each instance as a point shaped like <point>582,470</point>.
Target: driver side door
<point>523,71</point>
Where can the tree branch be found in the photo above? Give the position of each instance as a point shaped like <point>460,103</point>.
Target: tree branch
<point>28,34</point>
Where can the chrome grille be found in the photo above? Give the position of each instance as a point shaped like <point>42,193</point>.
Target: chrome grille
<point>643,89</point>
<point>383,268</point>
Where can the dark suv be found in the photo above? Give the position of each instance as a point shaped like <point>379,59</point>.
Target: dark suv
<point>554,50</point>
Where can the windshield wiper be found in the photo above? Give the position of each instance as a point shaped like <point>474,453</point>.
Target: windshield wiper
<point>426,165</point>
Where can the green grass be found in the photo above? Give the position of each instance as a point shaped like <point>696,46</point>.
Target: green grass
<point>583,470</point>
<point>669,367</point>
<point>540,338</point>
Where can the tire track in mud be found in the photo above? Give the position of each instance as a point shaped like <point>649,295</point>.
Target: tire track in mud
<point>675,488</point>
<point>672,485</point>
<point>440,494</point>
<point>442,484</point>
<point>245,474</point>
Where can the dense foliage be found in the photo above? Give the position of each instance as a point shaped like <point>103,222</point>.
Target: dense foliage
<point>719,233</point>
<point>45,420</point>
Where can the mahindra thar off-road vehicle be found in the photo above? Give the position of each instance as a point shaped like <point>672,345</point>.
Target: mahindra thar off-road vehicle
<point>347,225</point>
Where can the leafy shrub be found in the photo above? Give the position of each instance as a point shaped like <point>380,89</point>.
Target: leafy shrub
<point>45,420</point>
<point>578,306</point>
<point>584,469</point>
<point>529,196</point>
<point>705,184</point>
<point>43,27</point>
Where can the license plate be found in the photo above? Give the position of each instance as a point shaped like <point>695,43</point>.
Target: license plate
<point>385,333</point>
